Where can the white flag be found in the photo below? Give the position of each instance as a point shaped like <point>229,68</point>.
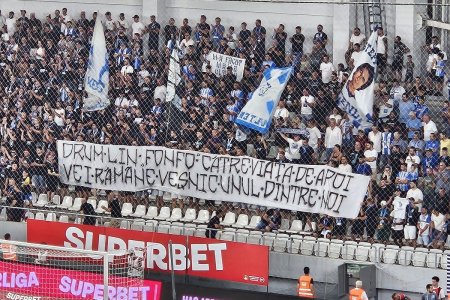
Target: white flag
<point>257,113</point>
<point>356,97</point>
<point>174,77</point>
<point>97,75</point>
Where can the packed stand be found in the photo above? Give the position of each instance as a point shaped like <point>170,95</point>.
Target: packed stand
<point>43,63</point>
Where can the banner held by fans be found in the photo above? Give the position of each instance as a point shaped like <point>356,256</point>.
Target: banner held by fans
<point>309,188</point>
<point>174,77</point>
<point>257,113</point>
<point>220,62</point>
<point>96,82</point>
<point>357,94</point>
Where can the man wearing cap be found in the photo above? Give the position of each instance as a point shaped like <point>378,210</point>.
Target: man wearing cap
<point>137,26</point>
<point>423,227</point>
<point>358,293</point>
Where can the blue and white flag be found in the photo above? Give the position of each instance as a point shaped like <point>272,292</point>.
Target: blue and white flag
<point>258,112</point>
<point>173,79</point>
<point>357,94</point>
<point>96,82</point>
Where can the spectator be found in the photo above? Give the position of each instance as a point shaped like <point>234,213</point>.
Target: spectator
<point>443,177</point>
<point>115,210</point>
<point>411,219</point>
<point>437,289</point>
<point>429,294</point>
<point>333,136</point>
<point>423,227</point>
<point>438,235</point>
<point>214,224</point>
<point>370,156</point>
<point>429,127</point>
<point>266,224</point>
<point>88,211</point>
<point>9,251</point>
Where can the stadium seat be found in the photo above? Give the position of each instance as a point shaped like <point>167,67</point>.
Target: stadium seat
<point>242,221</point>
<point>307,246</point>
<point>34,198</point>
<point>349,249</point>
<point>40,216</point>
<point>137,225</point>
<point>376,253</point>
<point>92,201</point>
<point>202,217</point>
<point>42,200</point>
<point>295,244</point>
<point>56,200</point>
<point>229,219</point>
<point>254,237</point>
<point>254,220</point>
<point>227,236</point>
<point>152,213</point>
<point>419,257</point>
<point>176,229</point>
<point>139,212</point>
<point>405,255</point>
<point>64,218</point>
<point>434,258</point>
<point>268,239</point>
<point>76,203</point>
<point>321,247</point>
<point>99,209</point>
<point>296,227</point>
<point>51,216</point>
<point>124,224</point>
<point>150,226</point>
<point>280,244</point>
<point>445,256</point>
<point>241,235</point>
<point>362,252</point>
<point>127,209</point>
<point>163,228</point>
<point>176,215</point>
<point>284,225</point>
<point>189,216</point>
<point>28,215</point>
<point>200,231</point>
<point>167,197</point>
<point>390,255</point>
<point>164,213</point>
<point>335,248</point>
<point>68,203</point>
<point>189,229</point>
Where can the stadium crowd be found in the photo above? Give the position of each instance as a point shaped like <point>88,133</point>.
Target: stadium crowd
<point>43,63</point>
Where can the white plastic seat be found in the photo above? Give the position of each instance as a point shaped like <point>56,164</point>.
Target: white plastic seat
<point>67,203</point>
<point>419,257</point>
<point>268,239</point>
<point>254,237</point>
<point>150,226</point>
<point>56,200</point>
<point>100,205</point>
<point>434,258</point>
<point>295,244</point>
<point>445,256</point>
<point>176,215</point>
<point>390,255</point>
<point>164,213</point>
<point>254,220</point>
<point>139,212</point>
<point>42,200</point>
<point>202,217</point>
<point>280,244</point>
<point>51,216</point>
<point>405,255</point>
<point>137,225</point>
<point>242,221</point>
<point>76,205</point>
<point>229,219</point>
<point>200,231</point>
<point>163,228</point>
<point>285,223</point>
<point>40,216</point>
<point>93,202</point>
<point>152,213</point>
<point>127,209</point>
<point>227,236</point>
<point>189,216</point>
<point>176,229</point>
<point>307,246</point>
<point>124,224</point>
<point>362,252</point>
<point>322,246</point>
<point>167,197</point>
<point>334,250</point>
<point>376,252</point>
<point>64,218</point>
<point>296,227</point>
<point>189,229</point>
<point>349,250</point>
<point>241,235</point>
<point>28,215</point>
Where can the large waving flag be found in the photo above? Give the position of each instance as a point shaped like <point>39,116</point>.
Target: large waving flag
<point>96,82</point>
<point>174,78</point>
<point>357,94</point>
<point>257,113</point>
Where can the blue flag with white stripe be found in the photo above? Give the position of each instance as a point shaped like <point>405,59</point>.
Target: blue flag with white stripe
<point>258,112</point>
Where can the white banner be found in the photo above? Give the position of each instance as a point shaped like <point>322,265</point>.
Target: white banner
<point>357,95</point>
<point>309,188</point>
<point>96,82</point>
<point>220,62</point>
<point>174,77</point>
<point>400,207</point>
<point>258,112</point>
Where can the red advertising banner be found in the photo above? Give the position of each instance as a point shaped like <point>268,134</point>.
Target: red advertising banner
<point>34,282</point>
<point>193,256</point>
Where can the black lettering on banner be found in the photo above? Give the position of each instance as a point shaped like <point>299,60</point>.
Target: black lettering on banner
<point>98,176</point>
<point>88,152</point>
<point>148,157</point>
<point>245,161</point>
<point>225,181</point>
<point>341,200</point>
<point>121,156</point>
<point>88,175</point>
<point>132,159</point>
<point>183,180</point>
<point>128,178</point>
<point>287,174</point>
<point>77,151</point>
<point>149,176</point>
<point>311,196</point>
<point>234,162</point>
<point>110,160</point>
<point>189,160</point>
<point>202,181</point>
<point>138,178</point>
<point>206,162</point>
<point>66,154</point>
<point>341,177</point>
<point>169,160</point>
<point>108,177</point>
<point>210,184</point>
<point>98,154</point>
<point>67,173</point>
<point>118,173</point>
<point>320,178</point>
<point>179,158</point>
<point>268,188</point>
<point>159,154</point>
<point>302,198</point>
<point>75,173</point>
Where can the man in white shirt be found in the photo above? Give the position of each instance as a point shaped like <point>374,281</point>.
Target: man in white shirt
<point>307,103</point>
<point>397,91</point>
<point>127,69</point>
<point>110,24</point>
<point>293,151</point>
<point>2,20</point>
<point>137,26</point>
<point>411,159</point>
<point>428,127</point>
<point>314,134</point>
<point>160,91</point>
<point>375,137</point>
<point>333,136</point>
<point>423,226</point>
<point>326,68</point>
<point>122,22</point>
<point>281,111</point>
<point>10,23</point>
<point>356,54</point>
<point>357,38</point>
<point>122,101</point>
<point>415,193</point>
<point>370,157</point>
<point>438,237</point>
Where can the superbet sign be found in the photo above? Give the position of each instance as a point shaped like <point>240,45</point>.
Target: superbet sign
<point>193,256</point>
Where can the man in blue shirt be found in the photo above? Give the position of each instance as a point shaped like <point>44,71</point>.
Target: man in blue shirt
<point>363,168</point>
<point>429,161</point>
<point>405,107</point>
<point>413,124</point>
